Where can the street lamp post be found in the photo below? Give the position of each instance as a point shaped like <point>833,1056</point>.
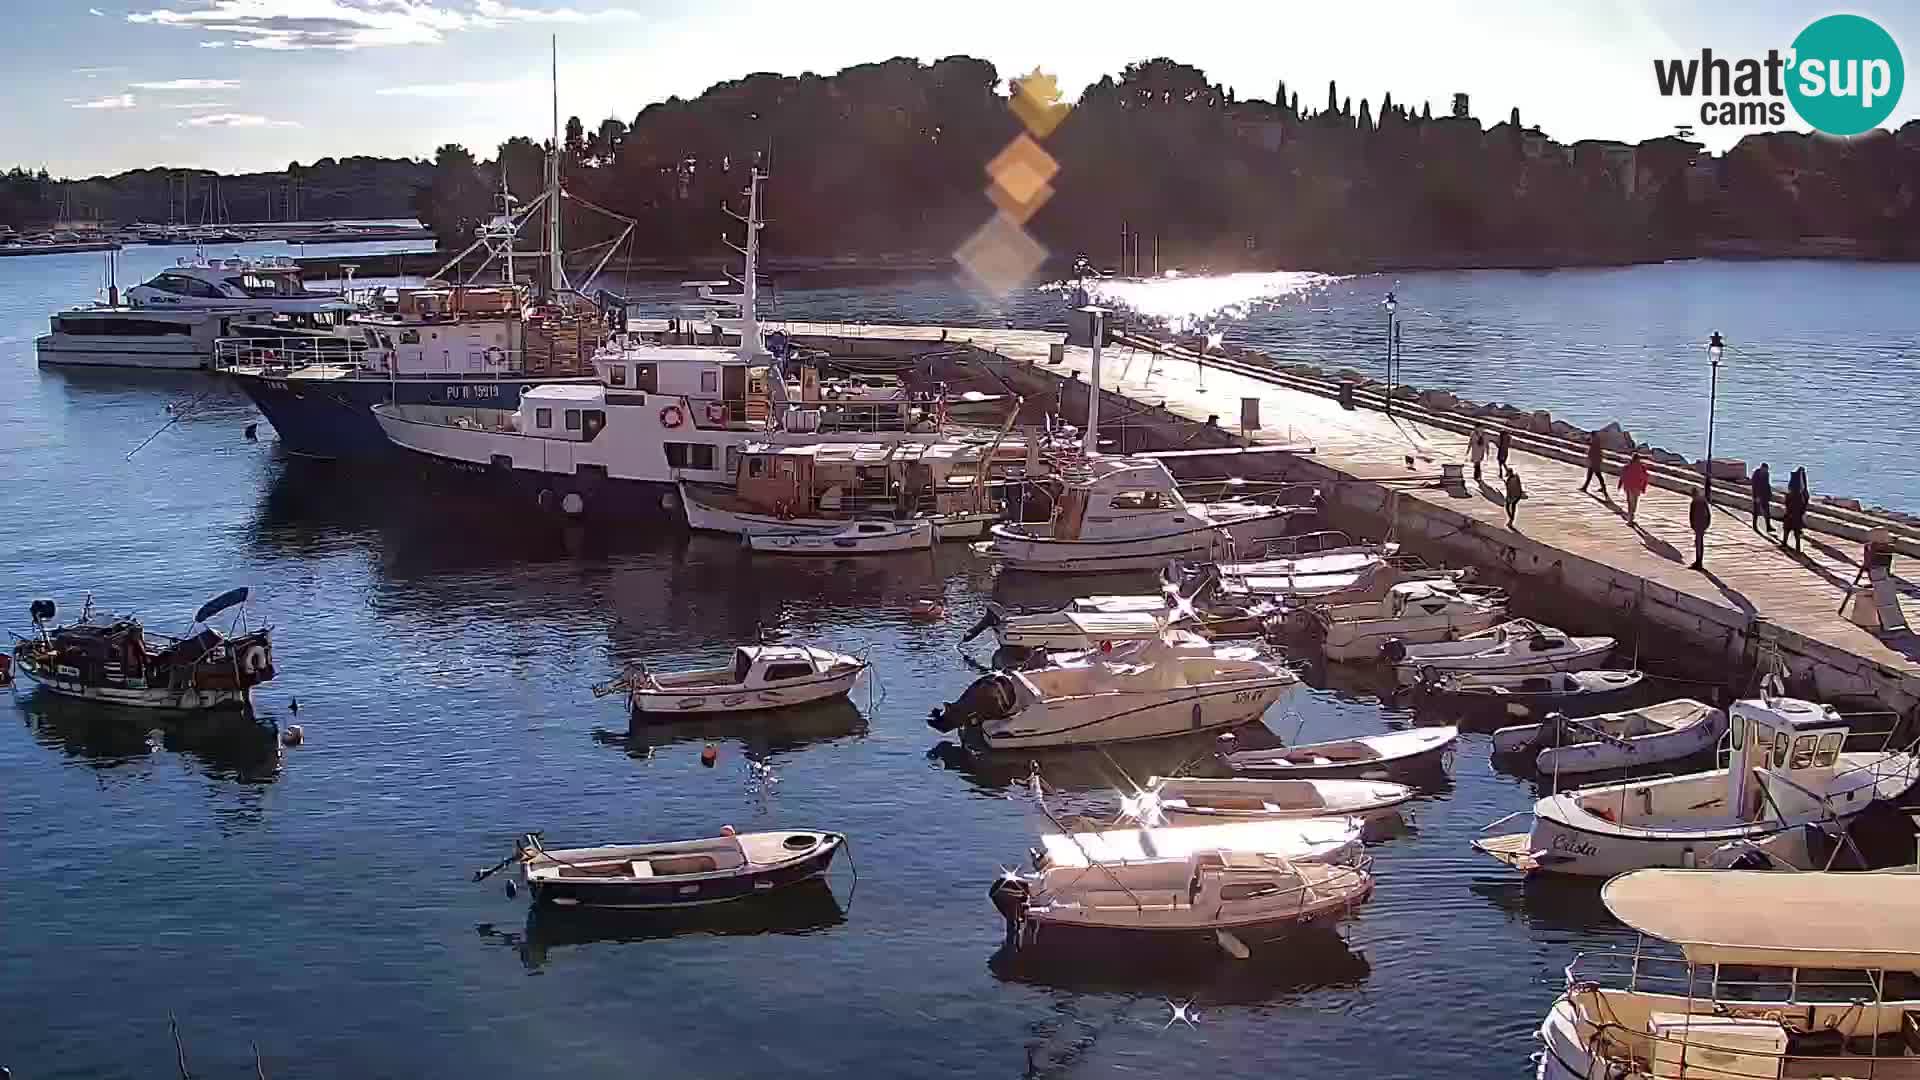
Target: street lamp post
<point>1391,305</point>
<point>1715,347</point>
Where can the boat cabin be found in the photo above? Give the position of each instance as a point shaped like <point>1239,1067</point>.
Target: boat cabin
<point>565,411</point>
<point>1123,497</point>
<point>1796,741</point>
<point>723,388</point>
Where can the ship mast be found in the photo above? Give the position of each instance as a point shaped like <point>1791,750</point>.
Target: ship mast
<point>751,346</point>
<point>556,274</point>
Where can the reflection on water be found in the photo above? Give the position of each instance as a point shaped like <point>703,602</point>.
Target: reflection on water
<point>807,908</point>
<point>1312,961</point>
<point>762,735</point>
<point>1198,303</point>
<point>230,743</point>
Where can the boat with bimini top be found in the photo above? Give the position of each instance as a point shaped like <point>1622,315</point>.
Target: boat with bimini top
<point>117,661</point>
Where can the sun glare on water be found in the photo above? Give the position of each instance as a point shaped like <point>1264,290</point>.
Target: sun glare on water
<point>1199,302</point>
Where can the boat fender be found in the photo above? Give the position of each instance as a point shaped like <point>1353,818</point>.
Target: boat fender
<point>1393,650</point>
<point>293,736</point>
<point>572,504</point>
<point>672,416</point>
<point>716,412</point>
<point>709,755</point>
<point>254,660</point>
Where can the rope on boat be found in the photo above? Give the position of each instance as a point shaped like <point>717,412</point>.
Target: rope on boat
<point>179,414</point>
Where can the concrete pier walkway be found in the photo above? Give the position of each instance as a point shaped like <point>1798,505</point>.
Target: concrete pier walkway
<point>1751,599</point>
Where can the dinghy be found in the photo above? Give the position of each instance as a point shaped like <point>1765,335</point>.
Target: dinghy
<point>1519,647</point>
<point>1788,769</point>
<point>119,662</point>
<point>1192,800</point>
<point>676,874</point>
<point>761,677</point>
<point>1086,622</point>
<point>1570,693</point>
<point>1622,740</point>
<point>1415,752</point>
<point>1148,690</point>
<point>858,538</point>
<point>1321,839</point>
<point>1217,898</point>
<point>1411,612</point>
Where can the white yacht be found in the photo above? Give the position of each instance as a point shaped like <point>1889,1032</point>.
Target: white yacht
<point>1787,769</point>
<point>274,284</point>
<point>1517,647</point>
<point>1741,974</point>
<point>1127,513</point>
<point>102,335</point>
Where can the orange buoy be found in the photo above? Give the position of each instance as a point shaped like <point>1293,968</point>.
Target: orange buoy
<point>928,610</point>
<point>709,755</point>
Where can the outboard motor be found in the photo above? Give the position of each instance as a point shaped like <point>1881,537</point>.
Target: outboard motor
<point>1393,650</point>
<point>987,622</point>
<point>42,611</point>
<point>989,698</point>
<point>1009,896</point>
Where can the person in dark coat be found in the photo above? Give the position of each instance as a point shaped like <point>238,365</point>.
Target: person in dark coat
<point>1793,520</point>
<point>1699,515</point>
<point>1514,494</point>
<point>1594,457</point>
<point>1762,497</point>
<point>1501,448</point>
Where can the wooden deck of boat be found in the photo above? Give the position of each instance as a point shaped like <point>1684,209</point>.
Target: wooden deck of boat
<point>1745,570</point>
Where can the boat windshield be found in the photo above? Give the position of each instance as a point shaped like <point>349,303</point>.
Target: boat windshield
<point>261,284</point>
<point>742,663</point>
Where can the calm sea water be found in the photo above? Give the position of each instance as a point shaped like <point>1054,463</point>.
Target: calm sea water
<point>317,902</point>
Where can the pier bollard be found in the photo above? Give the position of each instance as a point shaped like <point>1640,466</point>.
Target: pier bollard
<point>1346,395</point>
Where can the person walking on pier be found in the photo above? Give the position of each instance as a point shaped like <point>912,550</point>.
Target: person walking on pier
<point>1762,497</point>
<point>1633,483</point>
<point>1595,455</point>
<point>1477,450</point>
<point>1793,519</point>
<point>1502,448</point>
<point>1699,515</point>
<point>1514,494</point>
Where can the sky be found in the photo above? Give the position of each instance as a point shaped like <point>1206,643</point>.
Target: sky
<point>239,85</point>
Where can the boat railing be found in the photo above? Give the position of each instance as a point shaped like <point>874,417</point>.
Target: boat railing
<point>1666,971</point>
<point>284,354</point>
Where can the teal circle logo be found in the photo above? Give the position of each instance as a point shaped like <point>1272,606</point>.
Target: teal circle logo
<point>1847,75</point>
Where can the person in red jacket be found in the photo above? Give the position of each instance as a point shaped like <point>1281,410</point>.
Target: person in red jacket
<point>1633,481</point>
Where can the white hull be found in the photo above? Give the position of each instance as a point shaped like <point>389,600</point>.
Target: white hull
<point>1583,754</point>
<point>1560,849</point>
<point>1408,672</point>
<point>177,354</point>
<point>1124,718</point>
<point>705,518</point>
<point>131,697</point>
<point>844,543</point>
<point>1184,801</point>
<point>1361,640</point>
<point>733,699</point>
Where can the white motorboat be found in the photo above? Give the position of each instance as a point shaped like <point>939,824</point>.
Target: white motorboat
<point>1670,731</point>
<point>854,538</point>
<point>1408,754</point>
<point>1147,690</point>
<point>1519,647</point>
<point>1087,622</point>
<point>237,284</point>
<point>761,677</point>
<point>1788,769</point>
<point>1126,513</point>
<point>1322,839</point>
<point>1573,693</point>
<point>1776,975</point>
<point>674,874</point>
<point>1412,612</point>
<point>1214,887</point>
<point>1193,800</point>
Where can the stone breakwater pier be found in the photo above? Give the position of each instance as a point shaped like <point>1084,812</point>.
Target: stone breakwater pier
<point>1573,556</point>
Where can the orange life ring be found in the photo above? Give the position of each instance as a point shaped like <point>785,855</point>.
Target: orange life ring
<point>716,412</point>
<point>672,417</point>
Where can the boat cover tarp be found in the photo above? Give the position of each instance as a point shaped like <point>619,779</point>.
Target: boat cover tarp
<point>221,603</point>
<point>1302,839</point>
<point>1775,919</point>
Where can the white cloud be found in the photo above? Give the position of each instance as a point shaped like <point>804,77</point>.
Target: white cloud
<point>96,11</point>
<point>284,25</point>
<point>114,101</point>
<point>189,84</point>
<point>199,105</point>
<point>234,120</point>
